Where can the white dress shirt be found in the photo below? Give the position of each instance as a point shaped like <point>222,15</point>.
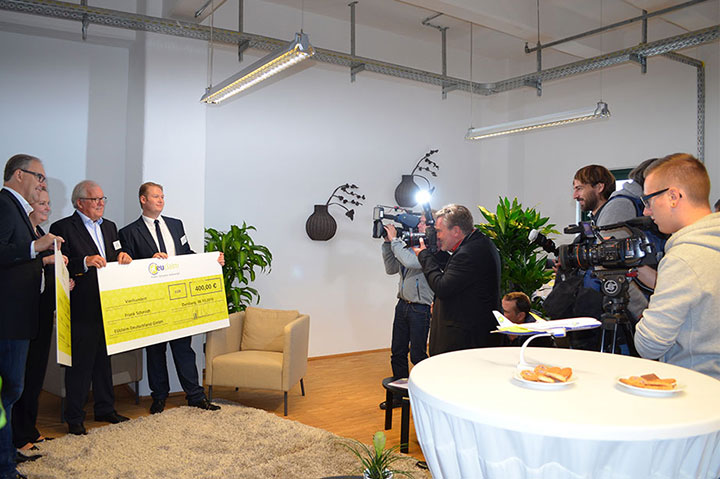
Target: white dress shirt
<point>167,237</point>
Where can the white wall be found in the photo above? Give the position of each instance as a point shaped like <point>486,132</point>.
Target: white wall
<point>124,109</point>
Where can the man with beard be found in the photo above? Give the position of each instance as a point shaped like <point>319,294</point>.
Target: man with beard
<point>592,187</point>
<point>577,292</point>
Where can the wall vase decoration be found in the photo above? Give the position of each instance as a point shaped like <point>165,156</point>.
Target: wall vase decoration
<point>406,191</point>
<point>321,226</point>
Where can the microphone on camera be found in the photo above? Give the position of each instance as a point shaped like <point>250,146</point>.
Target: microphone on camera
<point>543,241</point>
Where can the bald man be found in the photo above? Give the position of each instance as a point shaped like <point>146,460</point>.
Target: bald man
<point>682,323</point>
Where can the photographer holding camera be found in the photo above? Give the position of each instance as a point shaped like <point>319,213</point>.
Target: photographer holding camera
<point>680,326</point>
<point>412,312</point>
<point>467,289</point>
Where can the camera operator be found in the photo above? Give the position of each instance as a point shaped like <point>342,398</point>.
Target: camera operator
<point>467,290</point>
<point>680,326</point>
<point>594,190</point>
<point>412,312</point>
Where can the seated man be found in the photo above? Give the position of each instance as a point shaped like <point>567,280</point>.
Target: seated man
<point>680,325</point>
<point>516,308</point>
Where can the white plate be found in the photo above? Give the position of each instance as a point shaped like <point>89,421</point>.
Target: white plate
<point>540,385</point>
<point>650,392</point>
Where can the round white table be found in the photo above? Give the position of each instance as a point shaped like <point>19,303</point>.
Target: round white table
<point>473,420</point>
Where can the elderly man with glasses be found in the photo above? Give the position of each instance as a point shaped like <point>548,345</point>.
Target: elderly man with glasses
<point>91,242</point>
<point>681,325</point>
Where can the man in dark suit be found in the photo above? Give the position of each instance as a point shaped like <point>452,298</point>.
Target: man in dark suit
<point>20,279</point>
<point>90,242</point>
<point>467,290</point>
<point>156,236</point>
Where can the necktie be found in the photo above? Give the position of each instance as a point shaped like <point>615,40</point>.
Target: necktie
<point>161,241</point>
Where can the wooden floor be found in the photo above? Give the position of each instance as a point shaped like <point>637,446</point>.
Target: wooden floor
<point>342,394</point>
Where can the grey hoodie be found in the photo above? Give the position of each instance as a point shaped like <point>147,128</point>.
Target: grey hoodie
<point>682,323</point>
<point>412,286</point>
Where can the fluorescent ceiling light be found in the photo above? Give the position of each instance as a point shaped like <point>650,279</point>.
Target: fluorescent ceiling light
<point>555,119</point>
<point>298,50</point>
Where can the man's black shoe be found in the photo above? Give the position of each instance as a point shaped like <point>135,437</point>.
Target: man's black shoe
<point>112,418</point>
<point>204,404</point>
<point>158,406</point>
<point>77,429</point>
<point>395,403</point>
<point>20,457</point>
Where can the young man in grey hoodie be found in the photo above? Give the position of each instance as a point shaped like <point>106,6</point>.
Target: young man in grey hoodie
<point>412,312</point>
<point>681,325</point>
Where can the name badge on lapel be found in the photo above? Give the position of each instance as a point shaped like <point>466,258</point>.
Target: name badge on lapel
<point>183,240</point>
<point>116,245</point>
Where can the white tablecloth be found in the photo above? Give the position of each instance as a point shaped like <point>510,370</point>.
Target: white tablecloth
<point>474,421</point>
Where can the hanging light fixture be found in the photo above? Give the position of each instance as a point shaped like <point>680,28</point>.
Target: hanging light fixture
<point>298,50</point>
<point>556,119</point>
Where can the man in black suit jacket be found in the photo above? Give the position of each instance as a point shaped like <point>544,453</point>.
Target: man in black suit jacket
<point>20,277</point>
<point>467,290</point>
<point>156,236</point>
<point>90,242</point>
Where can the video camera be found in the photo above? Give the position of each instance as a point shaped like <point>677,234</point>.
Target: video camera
<point>406,225</point>
<point>612,253</point>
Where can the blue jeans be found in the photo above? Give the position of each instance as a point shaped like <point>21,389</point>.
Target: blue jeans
<point>13,354</point>
<point>411,326</point>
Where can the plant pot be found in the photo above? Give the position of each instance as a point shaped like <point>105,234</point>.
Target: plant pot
<point>387,474</point>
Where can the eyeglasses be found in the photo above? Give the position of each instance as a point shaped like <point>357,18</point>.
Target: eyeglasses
<point>41,178</point>
<point>96,200</point>
<point>646,198</point>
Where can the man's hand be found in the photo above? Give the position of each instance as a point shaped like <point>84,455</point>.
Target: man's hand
<point>95,261</point>
<point>50,259</point>
<point>422,246</point>
<point>221,258</point>
<point>46,242</point>
<point>647,276</point>
<point>160,255</point>
<point>124,258</point>
<point>391,232</point>
<point>72,284</point>
<point>556,266</point>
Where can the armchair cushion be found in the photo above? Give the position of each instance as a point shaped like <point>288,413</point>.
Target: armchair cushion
<point>263,329</point>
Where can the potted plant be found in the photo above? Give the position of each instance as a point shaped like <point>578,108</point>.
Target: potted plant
<point>242,257</point>
<point>523,266</point>
<point>376,461</point>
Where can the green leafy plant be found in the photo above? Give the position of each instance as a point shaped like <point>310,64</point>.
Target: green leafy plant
<point>242,258</point>
<point>523,263</point>
<point>376,461</point>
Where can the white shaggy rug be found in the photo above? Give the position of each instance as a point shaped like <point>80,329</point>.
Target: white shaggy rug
<point>185,442</point>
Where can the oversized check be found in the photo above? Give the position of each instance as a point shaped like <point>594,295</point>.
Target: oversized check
<point>153,300</point>
<point>62,310</point>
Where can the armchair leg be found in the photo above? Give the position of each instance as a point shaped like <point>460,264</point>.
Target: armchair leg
<point>209,396</point>
<point>137,392</point>
<point>285,394</point>
<point>302,386</point>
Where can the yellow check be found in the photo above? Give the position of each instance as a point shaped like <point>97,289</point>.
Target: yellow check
<point>150,301</point>
<point>62,310</point>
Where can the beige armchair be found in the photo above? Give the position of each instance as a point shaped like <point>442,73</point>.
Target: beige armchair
<point>262,348</point>
<point>127,368</point>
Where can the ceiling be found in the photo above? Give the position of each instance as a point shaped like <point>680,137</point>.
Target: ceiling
<point>501,28</point>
